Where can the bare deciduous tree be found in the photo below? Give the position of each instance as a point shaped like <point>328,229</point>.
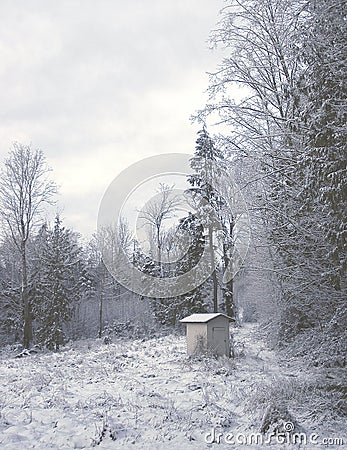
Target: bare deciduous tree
<point>24,189</point>
<point>159,208</point>
<point>109,244</point>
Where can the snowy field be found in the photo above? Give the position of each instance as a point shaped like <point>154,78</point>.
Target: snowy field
<point>146,395</point>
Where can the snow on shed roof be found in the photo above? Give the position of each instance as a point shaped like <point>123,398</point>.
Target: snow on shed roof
<point>202,318</point>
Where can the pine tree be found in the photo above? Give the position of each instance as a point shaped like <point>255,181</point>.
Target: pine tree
<point>58,285</point>
<point>207,164</point>
<point>322,93</point>
<point>195,301</point>
<point>11,318</point>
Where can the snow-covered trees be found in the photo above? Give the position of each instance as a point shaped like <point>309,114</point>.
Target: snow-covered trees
<point>197,300</point>
<point>310,233</point>
<point>11,309</point>
<point>321,93</point>
<point>24,189</point>
<point>322,105</point>
<point>58,283</point>
<point>158,209</point>
<point>281,91</point>
<point>101,289</point>
<point>207,166</point>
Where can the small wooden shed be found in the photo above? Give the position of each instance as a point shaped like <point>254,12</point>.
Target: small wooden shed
<point>208,332</point>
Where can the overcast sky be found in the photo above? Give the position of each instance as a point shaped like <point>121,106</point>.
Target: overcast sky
<point>100,84</point>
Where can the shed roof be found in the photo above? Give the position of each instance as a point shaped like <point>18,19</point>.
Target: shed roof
<point>202,317</point>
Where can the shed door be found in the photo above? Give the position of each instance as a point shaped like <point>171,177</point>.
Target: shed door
<point>219,342</point>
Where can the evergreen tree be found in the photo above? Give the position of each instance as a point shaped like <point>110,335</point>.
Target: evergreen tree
<point>207,164</point>
<point>322,93</point>
<point>195,301</point>
<point>308,229</point>
<point>58,284</point>
<point>11,318</point>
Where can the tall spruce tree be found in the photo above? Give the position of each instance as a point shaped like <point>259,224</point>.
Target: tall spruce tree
<point>321,124</point>
<point>207,165</point>
<point>323,114</point>
<point>58,284</point>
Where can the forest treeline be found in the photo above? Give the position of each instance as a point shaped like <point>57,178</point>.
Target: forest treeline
<point>279,99</point>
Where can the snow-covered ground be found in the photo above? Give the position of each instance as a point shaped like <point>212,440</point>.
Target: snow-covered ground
<point>144,394</point>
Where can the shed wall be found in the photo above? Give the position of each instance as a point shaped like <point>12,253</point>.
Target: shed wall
<point>196,337</point>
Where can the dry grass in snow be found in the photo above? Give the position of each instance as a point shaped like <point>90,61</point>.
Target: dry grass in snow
<point>141,394</point>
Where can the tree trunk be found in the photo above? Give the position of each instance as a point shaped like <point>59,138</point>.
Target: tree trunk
<point>229,288</point>
<point>159,253</point>
<point>213,268</point>
<point>100,313</point>
<point>101,299</point>
<point>25,300</point>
